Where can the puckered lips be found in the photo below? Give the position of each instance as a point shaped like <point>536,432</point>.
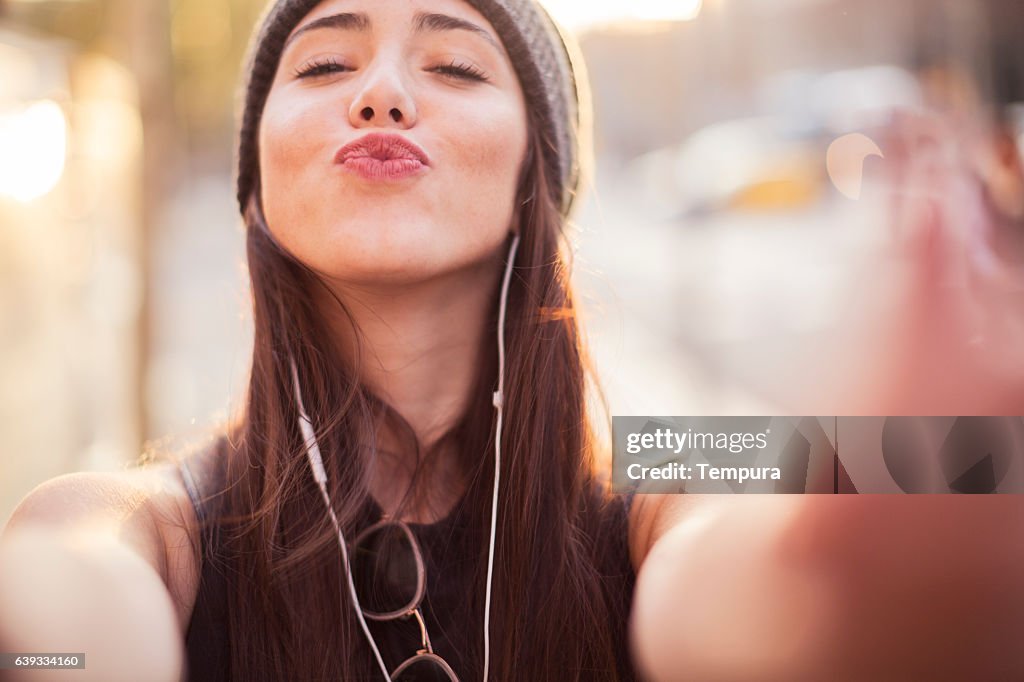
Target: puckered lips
<point>383,157</point>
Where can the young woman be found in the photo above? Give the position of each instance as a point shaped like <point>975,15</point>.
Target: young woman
<point>405,173</point>
<point>412,491</point>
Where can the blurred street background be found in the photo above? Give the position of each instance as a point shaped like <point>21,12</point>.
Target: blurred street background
<point>734,220</point>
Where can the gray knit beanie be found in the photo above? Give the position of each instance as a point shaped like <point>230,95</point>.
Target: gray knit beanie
<point>547,63</point>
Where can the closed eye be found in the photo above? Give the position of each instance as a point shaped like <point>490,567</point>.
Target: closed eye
<point>320,67</point>
<point>464,71</point>
<point>329,65</point>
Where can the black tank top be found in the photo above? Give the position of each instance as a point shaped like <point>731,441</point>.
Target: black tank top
<point>207,646</point>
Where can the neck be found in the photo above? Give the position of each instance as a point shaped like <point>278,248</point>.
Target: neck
<point>420,348</point>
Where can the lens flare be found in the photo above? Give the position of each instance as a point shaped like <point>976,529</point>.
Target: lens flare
<point>845,162</point>
<point>33,147</point>
<point>578,15</point>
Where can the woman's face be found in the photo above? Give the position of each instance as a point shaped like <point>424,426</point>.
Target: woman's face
<point>432,73</point>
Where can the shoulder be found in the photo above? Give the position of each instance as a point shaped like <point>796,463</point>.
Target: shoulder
<point>650,516</point>
<point>145,509</point>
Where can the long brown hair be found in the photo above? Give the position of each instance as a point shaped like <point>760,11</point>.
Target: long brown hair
<point>288,614</point>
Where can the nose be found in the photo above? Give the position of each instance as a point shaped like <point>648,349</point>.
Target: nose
<point>383,99</point>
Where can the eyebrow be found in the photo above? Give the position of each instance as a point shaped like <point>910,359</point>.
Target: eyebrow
<point>422,23</point>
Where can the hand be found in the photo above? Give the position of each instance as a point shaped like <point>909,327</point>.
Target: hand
<point>947,336</point>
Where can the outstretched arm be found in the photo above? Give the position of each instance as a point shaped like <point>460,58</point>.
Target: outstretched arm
<point>829,587</point>
<point>80,571</point>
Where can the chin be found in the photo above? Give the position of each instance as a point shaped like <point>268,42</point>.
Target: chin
<point>414,261</point>
<point>369,252</point>
<point>384,238</point>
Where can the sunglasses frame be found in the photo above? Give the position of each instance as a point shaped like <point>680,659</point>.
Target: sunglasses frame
<point>441,663</point>
<point>413,607</point>
<point>421,570</point>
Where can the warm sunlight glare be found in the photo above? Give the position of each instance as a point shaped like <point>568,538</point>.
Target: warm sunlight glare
<point>33,145</point>
<point>578,15</point>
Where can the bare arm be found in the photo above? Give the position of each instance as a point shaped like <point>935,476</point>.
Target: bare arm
<point>82,569</point>
<point>829,587</point>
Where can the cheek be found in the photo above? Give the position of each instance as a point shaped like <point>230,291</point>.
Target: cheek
<point>494,140</point>
<point>288,144</point>
<point>491,145</point>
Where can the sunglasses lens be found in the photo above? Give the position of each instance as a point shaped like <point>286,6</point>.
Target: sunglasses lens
<point>424,668</point>
<point>385,570</point>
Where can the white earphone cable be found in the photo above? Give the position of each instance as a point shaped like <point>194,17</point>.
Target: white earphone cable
<point>499,403</point>
<point>316,462</point>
